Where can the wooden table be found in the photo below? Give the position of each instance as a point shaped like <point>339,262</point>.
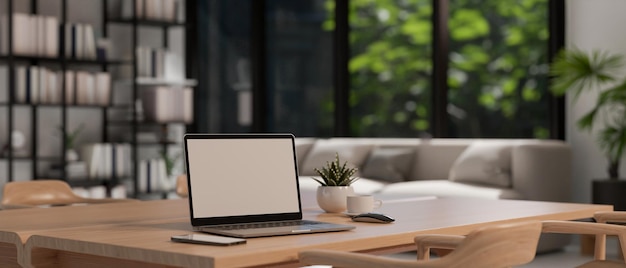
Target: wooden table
<point>16,226</point>
<point>137,234</point>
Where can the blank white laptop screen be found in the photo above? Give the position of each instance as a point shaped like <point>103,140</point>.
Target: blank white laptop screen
<point>232,177</point>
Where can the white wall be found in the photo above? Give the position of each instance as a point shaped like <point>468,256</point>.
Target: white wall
<point>597,24</point>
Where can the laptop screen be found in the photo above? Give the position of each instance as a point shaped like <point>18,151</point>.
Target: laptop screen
<point>236,178</point>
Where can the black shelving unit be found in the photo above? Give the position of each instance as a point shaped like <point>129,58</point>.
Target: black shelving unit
<point>133,125</point>
<point>137,85</point>
<point>11,60</point>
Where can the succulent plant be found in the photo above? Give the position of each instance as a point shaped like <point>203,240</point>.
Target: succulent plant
<point>336,174</point>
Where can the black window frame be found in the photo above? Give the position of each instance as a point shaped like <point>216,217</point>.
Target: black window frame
<point>341,50</point>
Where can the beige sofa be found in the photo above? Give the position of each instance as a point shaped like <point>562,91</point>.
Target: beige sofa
<point>525,169</point>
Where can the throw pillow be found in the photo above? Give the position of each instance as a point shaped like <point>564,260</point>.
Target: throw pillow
<point>388,164</point>
<point>485,163</point>
<point>324,151</point>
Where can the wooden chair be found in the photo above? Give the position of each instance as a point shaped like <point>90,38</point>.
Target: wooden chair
<point>600,230</point>
<point>27,194</point>
<point>181,186</point>
<point>495,246</point>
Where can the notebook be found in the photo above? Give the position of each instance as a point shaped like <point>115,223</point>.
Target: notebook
<point>246,185</point>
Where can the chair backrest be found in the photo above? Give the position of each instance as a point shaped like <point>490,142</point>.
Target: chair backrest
<point>497,246</point>
<point>21,194</point>
<point>38,193</point>
<point>181,186</point>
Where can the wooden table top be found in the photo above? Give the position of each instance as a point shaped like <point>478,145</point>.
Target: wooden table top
<point>17,225</point>
<point>145,236</point>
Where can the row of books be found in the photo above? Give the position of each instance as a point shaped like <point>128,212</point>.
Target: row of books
<point>37,35</point>
<point>33,35</point>
<point>80,42</point>
<point>152,62</point>
<point>40,85</point>
<point>167,104</point>
<point>153,176</point>
<point>107,160</point>
<point>160,10</point>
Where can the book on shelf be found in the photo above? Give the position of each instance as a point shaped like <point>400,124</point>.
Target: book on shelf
<point>70,89</point>
<point>153,176</point>
<point>51,47</point>
<point>107,160</point>
<point>40,85</point>
<point>33,35</point>
<point>157,10</point>
<point>20,84</point>
<point>103,88</point>
<point>43,85</point>
<point>89,43</point>
<point>32,82</point>
<point>80,42</point>
<point>168,104</point>
<point>159,63</point>
<point>22,45</point>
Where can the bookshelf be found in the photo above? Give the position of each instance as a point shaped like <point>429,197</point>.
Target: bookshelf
<point>118,120</point>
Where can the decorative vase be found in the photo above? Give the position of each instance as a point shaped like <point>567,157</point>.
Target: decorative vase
<point>71,155</point>
<point>333,198</point>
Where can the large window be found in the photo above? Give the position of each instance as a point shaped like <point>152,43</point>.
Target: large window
<point>295,61</point>
<point>274,67</point>
<point>390,67</point>
<point>299,71</point>
<point>498,68</point>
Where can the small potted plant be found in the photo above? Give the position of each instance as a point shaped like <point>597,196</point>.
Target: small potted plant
<point>70,142</point>
<point>335,185</point>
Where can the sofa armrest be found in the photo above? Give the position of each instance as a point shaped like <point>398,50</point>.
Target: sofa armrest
<point>541,170</point>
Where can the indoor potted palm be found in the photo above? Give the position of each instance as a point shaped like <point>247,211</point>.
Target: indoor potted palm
<point>335,185</point>
<point>577,71</point>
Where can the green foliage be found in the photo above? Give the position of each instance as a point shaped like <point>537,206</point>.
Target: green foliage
<point>577,71</point>
<point>336,174</point>
<point>71,136</point>
<point>498,77</point>
<point>468,24</point>
<point>170,161</point>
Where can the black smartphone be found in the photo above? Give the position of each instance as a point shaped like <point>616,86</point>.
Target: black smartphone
<point>206,239</point>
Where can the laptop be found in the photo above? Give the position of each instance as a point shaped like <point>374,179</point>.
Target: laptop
<point>246,185</point>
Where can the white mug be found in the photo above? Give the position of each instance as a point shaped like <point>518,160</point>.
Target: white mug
<point>362,204</point>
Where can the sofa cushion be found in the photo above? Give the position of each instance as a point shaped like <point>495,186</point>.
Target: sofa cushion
<point>391,164</point>
<point>303,146</point>
<point>324,151</point>
<point>443,188</point>
<point>486,163</point>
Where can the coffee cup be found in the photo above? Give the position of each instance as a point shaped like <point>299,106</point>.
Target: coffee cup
<point>358,204</point>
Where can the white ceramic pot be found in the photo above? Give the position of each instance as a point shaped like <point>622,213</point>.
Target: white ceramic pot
<point>71,155</point>
<point>333,198</point>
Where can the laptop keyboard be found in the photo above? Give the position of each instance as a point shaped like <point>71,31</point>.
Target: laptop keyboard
<point>264,225</point>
